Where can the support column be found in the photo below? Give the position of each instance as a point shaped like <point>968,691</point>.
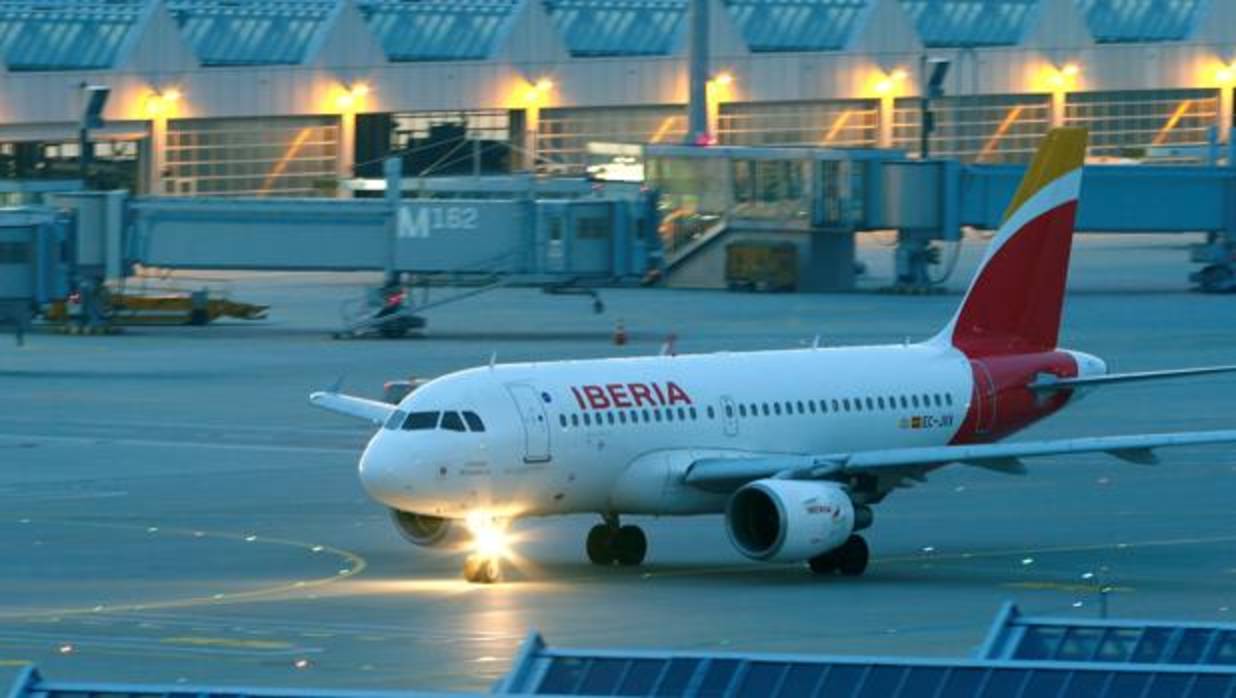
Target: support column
<point>697,73</point>
<point>1058,100</point>
<point>1225,113</point>
<point>345,158</point>
<point>884,131</point>
<point>158,157</point>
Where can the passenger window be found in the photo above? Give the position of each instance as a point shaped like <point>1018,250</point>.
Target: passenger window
<point>574,420</point>
<point>845,404</point>
<point>656,415</point>
<point>870,404</point>
<point>609,417</point>
<point>669,415</point>
<point>904,404</point>
<point>926,401</point>
<point>622,417</point>
<point>587,420</point>
<point>634,417</point>
<point>742,411</point>
<point>694,414</point>
<point>420,421</point>
<point>396,419</point>
<point>914,400</point>
<point>939,402</point>
<point>880,402</point>
<point>474,422</point>
<point>777,408</point>
<point>789,407</point>
<point>811,406</point>
<point>801,408</point>
<point>647,417</point>
<point>858,404</point>
<point>755,410</point>
<point>948,399</point>
<point>562,420</point>
<point>765,409</point>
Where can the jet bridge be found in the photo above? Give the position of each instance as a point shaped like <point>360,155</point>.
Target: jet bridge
<point>816,199</point>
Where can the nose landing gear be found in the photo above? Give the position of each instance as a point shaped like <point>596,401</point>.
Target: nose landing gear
<point>483,569</point>
<point>611,543</point>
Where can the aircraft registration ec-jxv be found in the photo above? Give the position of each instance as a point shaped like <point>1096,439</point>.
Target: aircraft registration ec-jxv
<point>793,447</point>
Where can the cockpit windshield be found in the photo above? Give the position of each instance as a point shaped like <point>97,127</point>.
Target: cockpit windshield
<point>419,421</point>
<point>424,421</point>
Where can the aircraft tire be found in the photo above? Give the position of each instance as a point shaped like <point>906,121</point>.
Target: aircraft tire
<point>852,556</point>
<point>481,570</point>
<point>630,545</point>
<point>825,563</point>
<point>600,545</point>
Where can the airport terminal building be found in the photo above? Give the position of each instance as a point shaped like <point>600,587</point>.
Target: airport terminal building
<point>294,98</point>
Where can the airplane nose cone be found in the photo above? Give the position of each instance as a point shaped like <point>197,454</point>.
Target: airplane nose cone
<point>380,473</point>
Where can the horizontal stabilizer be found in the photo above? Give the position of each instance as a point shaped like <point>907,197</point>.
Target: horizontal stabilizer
<point>359,407</point>
<point>1049,383</point>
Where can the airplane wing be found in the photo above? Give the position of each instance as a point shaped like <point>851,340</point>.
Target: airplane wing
<point>726,474</point>
<point>372,410</point>
<point>1049,383</point>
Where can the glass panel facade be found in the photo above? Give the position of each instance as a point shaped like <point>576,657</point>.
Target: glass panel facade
<point>563,134</point>
<point>853,123</point>
<point>619,27</point>
<point>251,32</point>
<point>1144,123</point>
<point>439,30</point>
<point>1115,21</point>
<point>294,156</point>
<point>970,23</point>
<point>984,129</point>
<point>65,35</point>
<point>797,25</point>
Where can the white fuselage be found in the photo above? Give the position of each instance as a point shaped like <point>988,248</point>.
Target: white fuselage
<point>611,435</point>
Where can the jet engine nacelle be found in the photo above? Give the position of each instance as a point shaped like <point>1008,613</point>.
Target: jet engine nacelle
<point>425,530</point>
<point>789,520</point>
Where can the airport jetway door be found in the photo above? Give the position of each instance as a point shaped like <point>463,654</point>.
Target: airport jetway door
<point>535,421</point>
<point>591,238</point>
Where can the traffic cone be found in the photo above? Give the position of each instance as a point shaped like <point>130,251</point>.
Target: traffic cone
<point>620,333</point>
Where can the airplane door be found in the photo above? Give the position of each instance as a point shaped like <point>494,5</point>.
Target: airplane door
<point>535,422</point>
<point>984,398</point>
<point>730,413</point>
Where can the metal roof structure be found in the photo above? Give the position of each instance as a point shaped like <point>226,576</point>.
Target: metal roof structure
<point>252,32</point>
<point>797,25</point>
<point>592,28</point>
<point>544,671</point>
<point>65,34</point>
<point>1023,657</point>
<point>1117,21</point>
<point>52,35</point>
<point>439,30</point>
<point>1021,638</point>
<point>971,23</point>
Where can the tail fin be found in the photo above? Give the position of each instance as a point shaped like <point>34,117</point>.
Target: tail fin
<point>1014,301</point>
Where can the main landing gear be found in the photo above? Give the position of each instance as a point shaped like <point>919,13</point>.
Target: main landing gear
<point>611,543</point>
<point>850,558</point>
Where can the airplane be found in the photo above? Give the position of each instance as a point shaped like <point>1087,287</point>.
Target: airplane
<point>793,447</point>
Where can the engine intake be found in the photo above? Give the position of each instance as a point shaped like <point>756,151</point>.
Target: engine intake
<point>422,529</point>
<point>789,520</point>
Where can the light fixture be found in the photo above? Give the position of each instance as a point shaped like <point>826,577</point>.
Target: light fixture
<point>544,85</point>
<point>1070,70</point>
<point>724,79</point>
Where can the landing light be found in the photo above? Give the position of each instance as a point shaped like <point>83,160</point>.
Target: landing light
<point>489,537</point>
